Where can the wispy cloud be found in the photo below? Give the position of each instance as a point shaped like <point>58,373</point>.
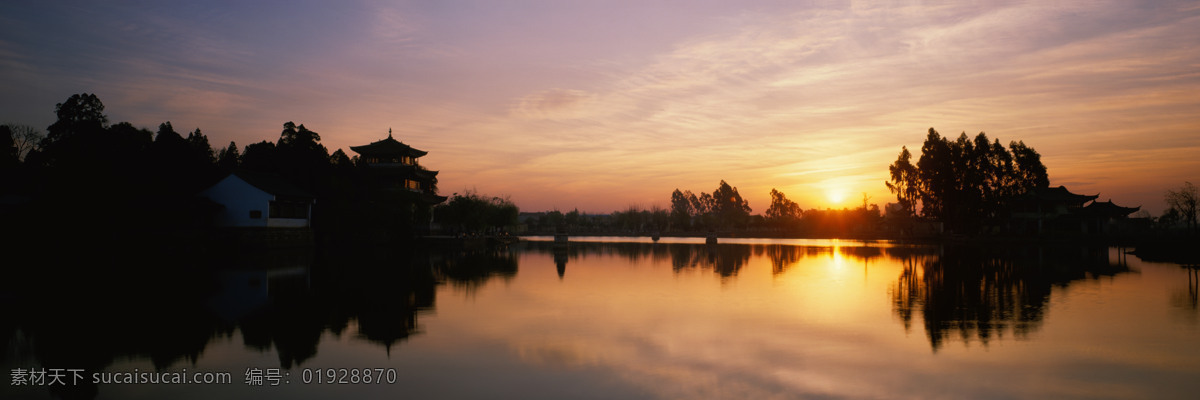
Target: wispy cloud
<point>558,105</point>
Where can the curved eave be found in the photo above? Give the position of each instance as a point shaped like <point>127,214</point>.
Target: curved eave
<point>388,147</point>
<point>432,199</point>
<point>1107,208</point>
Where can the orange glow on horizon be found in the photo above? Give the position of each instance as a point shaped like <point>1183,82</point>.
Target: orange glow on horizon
<point>580,116</point>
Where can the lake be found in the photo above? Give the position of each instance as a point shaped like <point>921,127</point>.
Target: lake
<point>618,318</point>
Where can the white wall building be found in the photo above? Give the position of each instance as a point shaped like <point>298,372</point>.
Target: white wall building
<point>257,200</point>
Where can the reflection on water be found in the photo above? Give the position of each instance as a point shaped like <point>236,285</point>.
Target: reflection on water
<point>641,319</point>
<point>279,301</point>
<point>1187,300</point>
<point>984,292</point>
<point>967,292</point>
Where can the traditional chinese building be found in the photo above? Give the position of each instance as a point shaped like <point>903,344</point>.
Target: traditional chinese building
<point>1056,209</point>
<point>1105,217</point>
<point>403,192</point>
<point>394,168</point>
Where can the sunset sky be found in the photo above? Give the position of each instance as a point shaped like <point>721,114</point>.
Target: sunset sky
<point>603,105</point>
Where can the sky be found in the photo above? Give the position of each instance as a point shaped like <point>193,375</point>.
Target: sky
<point>599,106</point>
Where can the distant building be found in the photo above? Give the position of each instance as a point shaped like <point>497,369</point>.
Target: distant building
<point>260,200</point>
<point>1056,209</point>
<point>395,169</point>
<point>403,192</point>
<point>1106,217</point>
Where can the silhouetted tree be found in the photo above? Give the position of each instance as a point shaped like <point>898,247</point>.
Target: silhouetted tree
<point>77,133</point>
<point>25,138</point>
<point>968,183</point>
<point>129,139</point>
<point>1184,201</point>
<point>8,153</point>
<point>724,207</point>
<point>299,146</point>
<point>704,205</point>
<point>636,219</point>
<point>126,149</point>
<point>681,208</point>
<point>730,208</point>
<point>259,157</point>
<point>905,183</point>
<point>166,134</point>
<point>178,168</point>
<point>502,213</point>
<point>937,175</point>
<point>300,149</point>
<point>199,144</point>
<point>229,158</point>
<point>573,218</point>
<point>472,212</point>
<point>339,159</point>
<point>1002,175</point>
<point>299,137</point>
<point>554,220</point>
<point>1170,218</point>
<point>783,212</point>
<point>81,113</point>
<point>659,218</point>
<point>1029,169</point>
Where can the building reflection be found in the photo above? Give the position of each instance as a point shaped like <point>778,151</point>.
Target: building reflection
<point>561,256</point>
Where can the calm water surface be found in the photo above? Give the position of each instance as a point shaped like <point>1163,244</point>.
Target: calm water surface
<point>622,318</point>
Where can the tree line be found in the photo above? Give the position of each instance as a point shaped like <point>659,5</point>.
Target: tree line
<point>971,185</point>
<point>967,184</point>
<point>93,173</point>
<point>83,164</point>
<point>471,212</point>
<point>632,220</point>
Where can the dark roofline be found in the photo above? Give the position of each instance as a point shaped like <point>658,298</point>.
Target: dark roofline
<point>271,183</point>
<point>1108,208</point>
<point>1060,193</point>
<point>387,147</point>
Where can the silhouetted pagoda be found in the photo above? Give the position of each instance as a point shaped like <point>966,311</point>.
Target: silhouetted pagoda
<point>1105,217</point>
<point>394,169</point>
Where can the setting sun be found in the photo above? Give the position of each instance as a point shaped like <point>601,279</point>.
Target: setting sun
<point>621,105</point>
<point>610,199</point>
<point>837,191</point>
<point>836,195</point>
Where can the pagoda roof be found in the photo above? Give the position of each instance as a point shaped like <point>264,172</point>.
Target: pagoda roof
<point>1107,208</point>
<point>1059,194</point>
<point>388,147</point>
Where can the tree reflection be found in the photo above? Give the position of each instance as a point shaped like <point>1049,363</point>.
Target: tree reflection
<point>783,257</point>
<point>724,260</point>
<point>1189,299</point>
<point>985,292</point>
<point>470,270</point>
<point>92,318</point>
